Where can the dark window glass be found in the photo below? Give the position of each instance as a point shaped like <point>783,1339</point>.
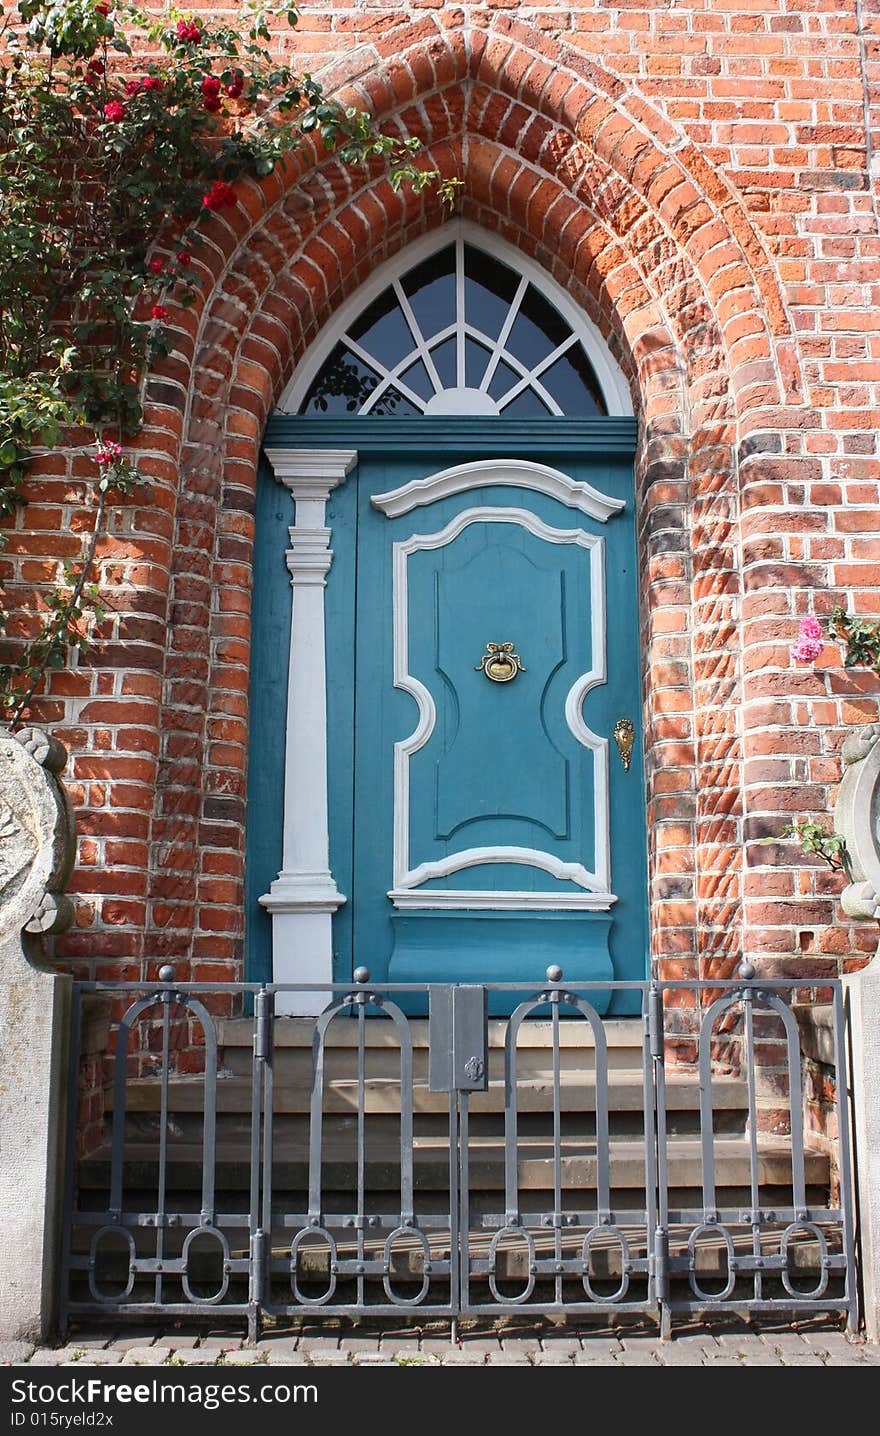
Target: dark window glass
<point>430,289</point>
<point>573,383</point>
<point>416,376</point>
<point>489,288</point>
<point>382,330</point>
<point>444,356</point>
<point>537,329</point>
<point>342,385</point>
<point>526,405</point>
<point>503,379</point>
<point>393,402</point>
<point>476,357</point>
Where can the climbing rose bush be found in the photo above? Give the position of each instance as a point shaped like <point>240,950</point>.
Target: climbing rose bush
<point>120,135</point>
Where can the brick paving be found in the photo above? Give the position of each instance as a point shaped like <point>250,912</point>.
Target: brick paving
<point>719,1344</point>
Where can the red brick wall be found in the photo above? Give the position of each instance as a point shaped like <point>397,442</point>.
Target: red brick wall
<point>698,178</point>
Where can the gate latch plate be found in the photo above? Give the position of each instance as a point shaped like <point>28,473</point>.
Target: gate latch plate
<point>458,1039</point>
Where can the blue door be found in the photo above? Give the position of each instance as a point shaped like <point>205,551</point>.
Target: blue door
<point>482,648</point>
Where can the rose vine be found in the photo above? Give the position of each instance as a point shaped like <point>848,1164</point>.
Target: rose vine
<point>119,132</point>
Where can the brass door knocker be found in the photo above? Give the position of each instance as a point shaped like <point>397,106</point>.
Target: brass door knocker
<point>500,663</point>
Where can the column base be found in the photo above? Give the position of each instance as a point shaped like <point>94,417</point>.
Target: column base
<point>302,908</point>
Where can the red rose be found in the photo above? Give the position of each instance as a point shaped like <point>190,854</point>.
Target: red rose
<point>114,111</point>
<point>235,89</point>
<point>157,265</point>
<point>220,196</point>
<point>102,10</point>
<point>212,106</point>
<point>189,32</point>
<point>210,86</point>
<point>132,87</point>
<point>151,82</point>
<point>96,67</point>
<point>184,257</point>
<point>159,311</point>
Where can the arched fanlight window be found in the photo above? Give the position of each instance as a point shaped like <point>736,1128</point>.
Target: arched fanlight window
<point>466,327</point>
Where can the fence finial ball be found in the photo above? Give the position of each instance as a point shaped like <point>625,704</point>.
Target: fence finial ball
<point>166,973</point>
<point>361,975</point>
<point>746,971</point>
<point>554,973</point>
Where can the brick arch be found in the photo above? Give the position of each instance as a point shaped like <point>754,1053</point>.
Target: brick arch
<point>661,267</point>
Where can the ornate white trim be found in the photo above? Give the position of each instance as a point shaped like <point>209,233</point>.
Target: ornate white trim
<point>615,389</point>
<point>509,473</point>
<point>406,878</point>
<point>407,898</point>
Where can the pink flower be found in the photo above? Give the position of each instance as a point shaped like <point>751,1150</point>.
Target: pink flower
<point>189,32</point>
<point>159,311</point>
<point>219,196</point>
<point>114,111</point>
<point>809,641</point>
<point>108,453</point>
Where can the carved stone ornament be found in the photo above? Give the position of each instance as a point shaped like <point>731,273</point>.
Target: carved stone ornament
<point>857,818</point>
<point>37,833</point>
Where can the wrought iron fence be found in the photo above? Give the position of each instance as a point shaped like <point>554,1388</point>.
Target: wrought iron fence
<point>369,1161</point>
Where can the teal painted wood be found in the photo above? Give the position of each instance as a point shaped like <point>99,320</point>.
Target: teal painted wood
<point>373,432</point>
<point>270,627</point>
<point>465,790</point>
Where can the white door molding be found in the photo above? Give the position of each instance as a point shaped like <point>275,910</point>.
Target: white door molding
<point>304,896</point>
<point>408,890</point>
<point>503,473</point>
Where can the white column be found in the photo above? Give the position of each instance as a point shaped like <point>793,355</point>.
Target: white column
<point>304,896</point>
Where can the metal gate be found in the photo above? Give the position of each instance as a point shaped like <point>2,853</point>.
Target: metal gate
<point>407,1150</point>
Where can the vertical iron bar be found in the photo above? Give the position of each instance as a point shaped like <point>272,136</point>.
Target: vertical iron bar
<point>844,1161</point>
<point>650,1137</point>
<point>657,1047</point>
<point>167,1000</point>
<point>464,1204</point>
<point>361,1099</point>
<point>754,1184</point>
<point>707,1110</point>
<point>263,1013</point>
<point>70,1156</point>
<point>557,1151</point>
<point>268,1140</point>
<point>454,1159</point>
<point>161,1210</point>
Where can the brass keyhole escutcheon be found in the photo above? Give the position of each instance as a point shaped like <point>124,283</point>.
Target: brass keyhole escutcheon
<point>500,663</point>
<point>625,737</point>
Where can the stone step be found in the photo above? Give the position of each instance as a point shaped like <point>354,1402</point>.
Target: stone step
<point>293,1047</point>
<point>382,1095</point>
<point>486,1165</point>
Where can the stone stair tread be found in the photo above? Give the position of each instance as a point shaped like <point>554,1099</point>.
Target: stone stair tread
<point>431,1158</point>
<point>625,1093</point>
<point>620,1032</point>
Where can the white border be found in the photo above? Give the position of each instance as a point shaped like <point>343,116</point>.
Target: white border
<point>597,892</point>
<point>510,473</point>
<point>615,389</point>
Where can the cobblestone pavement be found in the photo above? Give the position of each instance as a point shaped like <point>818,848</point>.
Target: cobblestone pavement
<point>731,1343</point>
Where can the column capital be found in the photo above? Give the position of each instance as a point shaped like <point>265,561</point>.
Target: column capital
<point>311,473</point>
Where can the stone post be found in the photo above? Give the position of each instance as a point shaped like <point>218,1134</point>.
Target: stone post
<point>36,856</point>
<point>857,818</point>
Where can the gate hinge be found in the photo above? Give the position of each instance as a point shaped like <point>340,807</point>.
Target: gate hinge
<point>661,1263</point>
<point>655,1022</point>
<point>264,1013</point>
<point>258,1267</point>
